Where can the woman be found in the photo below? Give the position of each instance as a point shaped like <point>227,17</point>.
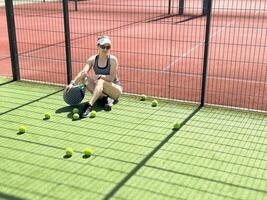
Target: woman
<point>103,84</point>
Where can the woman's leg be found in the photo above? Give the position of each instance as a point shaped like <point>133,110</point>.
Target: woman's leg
<point>90,85</point>
<point>112,90</point>
<point>97,91</point>
<point>97,88</point>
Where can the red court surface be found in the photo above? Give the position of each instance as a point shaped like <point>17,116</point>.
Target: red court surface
<point>5,66</point>
<point>161,58</point>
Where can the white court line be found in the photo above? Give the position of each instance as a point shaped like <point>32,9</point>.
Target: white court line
<point>154,70</point>
<point>224,78</point>
<point>200,75</point>
<point>196,46</point>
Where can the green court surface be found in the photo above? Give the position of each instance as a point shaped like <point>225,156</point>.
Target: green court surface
<point>218,154</point>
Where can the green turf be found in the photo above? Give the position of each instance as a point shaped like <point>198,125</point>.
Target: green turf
<point>218,154</point>
<point>33,165</point>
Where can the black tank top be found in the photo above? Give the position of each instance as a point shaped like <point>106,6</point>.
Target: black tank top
<point>104,70</point>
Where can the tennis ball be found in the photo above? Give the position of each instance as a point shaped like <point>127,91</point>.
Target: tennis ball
<point>47,115</point>
<point>154,103</point>
<point>22,129</point>
<point>76,116</point>
<point>88,152</point>
<point>93,114</point>
<point>75,110</point>
<point>69,151</point>
<point>176,125</point>
<point>143,98</point>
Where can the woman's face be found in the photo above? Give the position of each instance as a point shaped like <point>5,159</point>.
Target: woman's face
<point>104,48</point>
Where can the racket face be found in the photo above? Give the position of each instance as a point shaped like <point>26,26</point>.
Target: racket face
<point>74,96</point>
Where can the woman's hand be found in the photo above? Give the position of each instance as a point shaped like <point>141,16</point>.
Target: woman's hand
<point>96,77</point>
<point>68,87</point>
<point>83,75</point>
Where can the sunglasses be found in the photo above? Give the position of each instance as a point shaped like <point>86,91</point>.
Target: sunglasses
<point>105,47</point>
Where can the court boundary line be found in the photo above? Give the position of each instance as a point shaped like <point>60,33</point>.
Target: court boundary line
<point>155,70</point>
<point>196,46</point>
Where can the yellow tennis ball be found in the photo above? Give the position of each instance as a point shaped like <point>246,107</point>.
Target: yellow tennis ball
<point>176,126</point>
<point>69,151</point>
<point>154,103</point>
<point>75,110</point>
<point>143,97</point>
<point>88,152</point>
<point>47,115</point>
<point>76,116</point>
<point>93,114</point>
<point>22,129</point>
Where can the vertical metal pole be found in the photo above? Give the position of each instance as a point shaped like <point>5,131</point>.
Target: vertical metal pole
<point>205,7</point>
<point>76,5</point>
<point>181,7</point>
<point>12,39</point>
<point>169,6</point>
<point>206,52</point>
<point>67,40</point>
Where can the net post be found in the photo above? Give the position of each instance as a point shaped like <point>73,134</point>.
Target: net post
<point>12,39</point>
<point>181,7</point>
<point>67,40</point>
<point>206,52</point>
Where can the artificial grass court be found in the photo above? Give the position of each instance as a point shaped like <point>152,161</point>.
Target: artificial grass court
<point>218,154</point>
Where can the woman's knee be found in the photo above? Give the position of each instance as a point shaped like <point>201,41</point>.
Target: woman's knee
<point>118,92</point>
<point>116,95</point>
<point>115,92</point>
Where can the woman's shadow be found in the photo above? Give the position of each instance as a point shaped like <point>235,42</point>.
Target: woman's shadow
<point>68,109</point>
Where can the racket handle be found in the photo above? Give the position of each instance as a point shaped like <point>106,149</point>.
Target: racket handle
<point>82,86</point>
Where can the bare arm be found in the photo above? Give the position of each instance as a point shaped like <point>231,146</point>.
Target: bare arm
<point>83,73</point>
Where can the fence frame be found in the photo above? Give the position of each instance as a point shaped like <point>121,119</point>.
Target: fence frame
<point>206,53</point>
<point>67,39</point>
<point>11,27</point>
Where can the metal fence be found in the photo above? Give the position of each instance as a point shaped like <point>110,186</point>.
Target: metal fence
<point>206,51</point>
